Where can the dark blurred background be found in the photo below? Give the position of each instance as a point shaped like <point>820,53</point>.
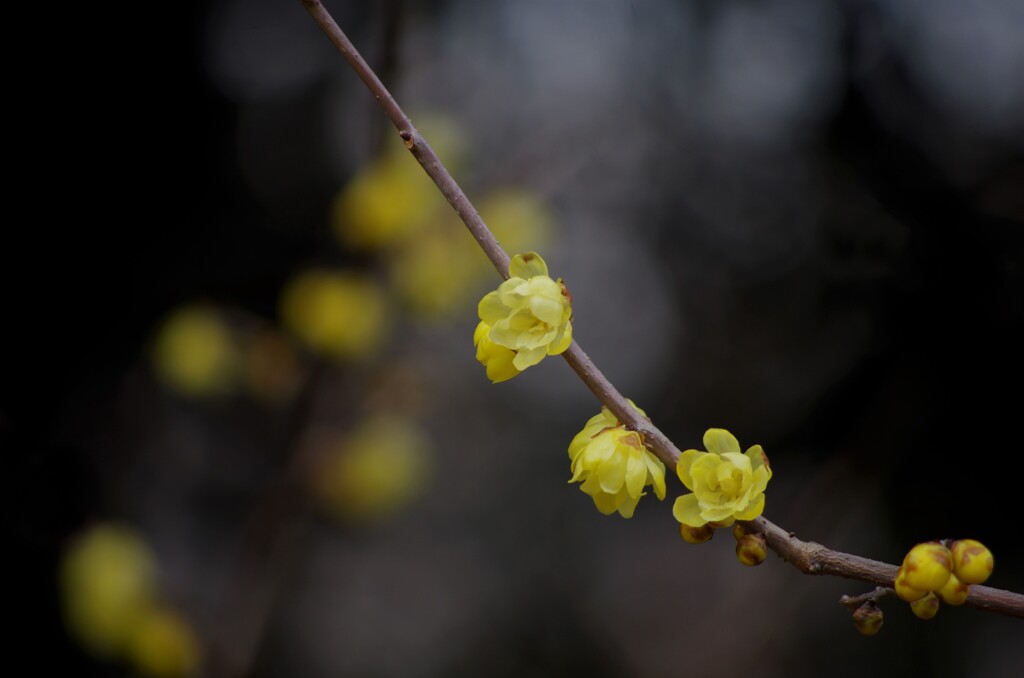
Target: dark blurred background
<point>802,221</point>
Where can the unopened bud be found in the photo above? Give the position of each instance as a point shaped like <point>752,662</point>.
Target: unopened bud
<point>696,535</point>
<point>972,561</point>
<point>904,590</point>
<point>954,591</point>
<point>927,566</point>
<point>926,607</point>
<point>868,618</point>
<point>751,549</point>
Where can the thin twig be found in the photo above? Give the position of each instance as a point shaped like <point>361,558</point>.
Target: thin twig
<point>808,557</point>
<point>853,602</point>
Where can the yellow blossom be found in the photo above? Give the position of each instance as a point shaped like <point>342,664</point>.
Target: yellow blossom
<point>529,313</point>
<point>497,359</point>
<point>376,471</point>
<point>341,314</point>
<point>726,484</point>
<point>614,465</point>
<point>193,352</point>
<point>163,645</point>
<point>108,581</point>
<point>391,198</point>
<point>438,272</point>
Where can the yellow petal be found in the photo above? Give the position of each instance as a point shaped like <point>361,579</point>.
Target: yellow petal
<point>612,474</point>
<point>720,441</point>
<point>758,459</point>
<point>626,504</point>
<point>752,511</point>
<point>481,332</point>
<point>562,340</point>
<point>686,511</point>
<point>546,310</point>
<point>657,471</point>
<point>527,265</point>
<point>605,503</point>
<point>684,466</point>
<point>636,474</point>
<point>528,357</point>
<point>491,309</point>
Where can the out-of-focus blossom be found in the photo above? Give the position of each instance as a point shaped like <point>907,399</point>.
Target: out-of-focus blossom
<point>376,471</point>
<point>392,198</point>
<point>519,219</point>
<point>163,645</point>
<point>193,352</point>
<point>439,271</point>
<point>107,582</point>
<point>340,314</point>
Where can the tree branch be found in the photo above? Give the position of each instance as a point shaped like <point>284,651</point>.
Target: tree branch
<point>808,557</point>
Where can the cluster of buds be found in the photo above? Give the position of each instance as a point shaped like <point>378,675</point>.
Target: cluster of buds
<point>941,571</point>
<point>751,548</point>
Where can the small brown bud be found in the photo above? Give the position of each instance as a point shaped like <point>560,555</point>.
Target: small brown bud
<point>868,618</point>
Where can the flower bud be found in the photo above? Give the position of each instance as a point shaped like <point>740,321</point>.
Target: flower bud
<point>972,561</point>
<point>927,607</point>
<point>751,549</point>
<point>868,618</point>
<point>954,591</point>
<point>696,535</point>
<point>738,532</point>
<point>905,591</point>
<point>927,566</point>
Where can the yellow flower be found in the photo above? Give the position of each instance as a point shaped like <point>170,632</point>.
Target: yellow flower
<point>390,199</point>
<point>379,469</point>
<point>163,645</point>
<point>341,314</point>
<point>614,465</point>
<point>529,313</point>
<point>193,352</point>
<point>497,359</point>
<point>108,581</point>
<point>726,484</point>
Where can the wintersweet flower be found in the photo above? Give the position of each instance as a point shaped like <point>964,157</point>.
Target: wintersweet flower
<point>614,465</point>
<point>529,313</point>
<point>497,359</point>
<point>726,485</point>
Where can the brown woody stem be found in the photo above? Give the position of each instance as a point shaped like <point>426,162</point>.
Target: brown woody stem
<point>808,557</point>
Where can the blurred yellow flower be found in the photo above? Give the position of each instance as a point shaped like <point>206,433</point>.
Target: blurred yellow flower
<point>614,465</point>
<point>111,604</point>
<point>726,485</point>
<point>519,219</point>
<point>497,359</point>
<point>436,273</point>
<point>392,198</point>
<point>529,313</point>
<point>193,352</point>
<point>107,582</point>
<point>163,645</point>
<point>377,471</point>
<point>341,314</point>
